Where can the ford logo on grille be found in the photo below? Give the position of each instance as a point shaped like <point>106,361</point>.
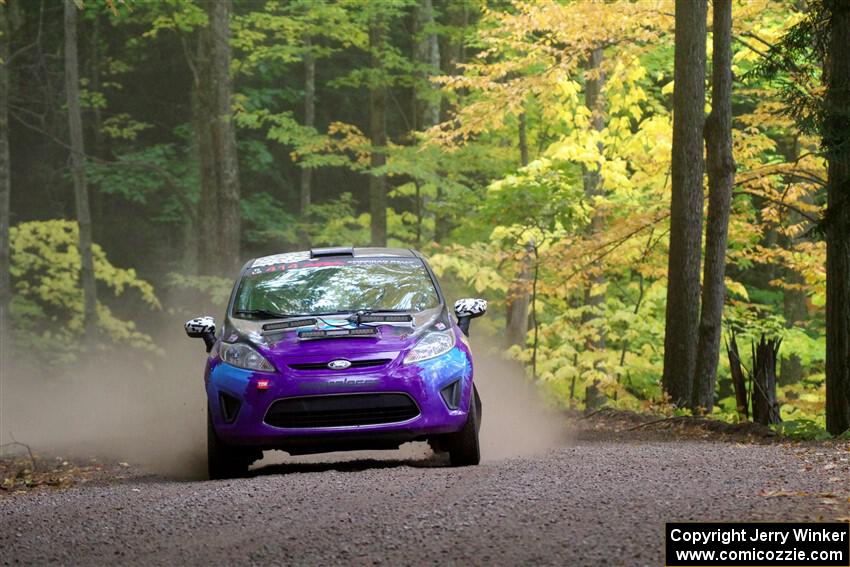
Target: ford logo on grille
<point>339,364</point>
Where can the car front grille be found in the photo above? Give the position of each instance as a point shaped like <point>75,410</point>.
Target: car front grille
<point>341,410</point>
<point>354,364</point>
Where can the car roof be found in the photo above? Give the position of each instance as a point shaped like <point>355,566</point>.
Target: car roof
<point>315,253</point>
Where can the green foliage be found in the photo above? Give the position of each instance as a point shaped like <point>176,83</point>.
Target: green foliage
<point>153,175</point>
<point>48,304</point>
<point>334,222</point>
<point>123,127</point>
<point>802,429</point>
<point>613,243</point>
<point>216,290</point>
<point>181,16</point>
<point>266,220</point>
<point>795,64</point>
<point>274,35</point>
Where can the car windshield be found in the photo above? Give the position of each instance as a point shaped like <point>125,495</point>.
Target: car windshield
<point>326,286</point>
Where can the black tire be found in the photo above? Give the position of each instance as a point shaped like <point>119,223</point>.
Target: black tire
<point>225,462</point>
<point>463,446</point>
<point>479,414</point>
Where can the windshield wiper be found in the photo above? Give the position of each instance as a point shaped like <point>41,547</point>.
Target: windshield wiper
<point>355,315</point>
<point>266,314</point>
<point>381,316</point>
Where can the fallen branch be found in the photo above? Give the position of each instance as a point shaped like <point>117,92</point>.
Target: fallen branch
<point>25,446</point>
<point>662,420</point>
<point>600,410</point>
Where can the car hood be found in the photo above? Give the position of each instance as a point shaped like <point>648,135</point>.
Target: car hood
<point>284,346</point>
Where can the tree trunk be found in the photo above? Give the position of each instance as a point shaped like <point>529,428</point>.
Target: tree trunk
<point>837,141</point>
<point>95,63</point>
<point>683,285</point>
<point>224,137</point>
<point>97,145</point>
<point>219,214</point>
<point>309,121</point>
<point>523,140</point>
<point>208,234</point>
<point>378,133</point>
<point>593,300</point>
<point>427,54</point>
<point>738,382</point>
<point>765,406</point>
<point>535,343</point>
<point>794,308</point>
<point>518,300</point>
<point>78,166</point>
<point>452,53</point>
<point>721,176</point>
<point>5,187</point>
<point>426,107</point>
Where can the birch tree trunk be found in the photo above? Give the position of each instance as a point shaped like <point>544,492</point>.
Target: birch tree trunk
<point>721,176</point>
<point>78,166</point>
<point>683,285</point>
<point>378,134</point>
<point>837,141</point>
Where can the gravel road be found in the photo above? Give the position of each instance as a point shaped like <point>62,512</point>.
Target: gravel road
<point>596,501</point>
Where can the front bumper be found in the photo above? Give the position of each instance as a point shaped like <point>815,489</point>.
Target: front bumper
<point>422,382</point>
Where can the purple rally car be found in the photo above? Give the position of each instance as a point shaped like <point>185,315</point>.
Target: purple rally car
<point>338,349</point>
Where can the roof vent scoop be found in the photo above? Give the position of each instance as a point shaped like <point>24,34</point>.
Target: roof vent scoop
<point>325,252</point>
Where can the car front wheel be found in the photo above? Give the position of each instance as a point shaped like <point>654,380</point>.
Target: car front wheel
<point>224,461</point>
<point>463,446</point>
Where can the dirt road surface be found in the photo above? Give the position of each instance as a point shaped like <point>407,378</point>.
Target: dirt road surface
<point>596,502</point>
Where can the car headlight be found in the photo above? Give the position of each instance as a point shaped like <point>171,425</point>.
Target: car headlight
<point>243,356</point>
<point>431,345</point>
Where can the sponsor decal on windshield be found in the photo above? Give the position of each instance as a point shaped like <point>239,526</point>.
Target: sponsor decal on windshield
<point>281,259</point>
<point>293,266</point>
<point>285,262</point>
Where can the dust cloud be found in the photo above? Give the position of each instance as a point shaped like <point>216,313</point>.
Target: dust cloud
<point>516,422</point>
<point>146,410</point>
<point>150,411</point>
